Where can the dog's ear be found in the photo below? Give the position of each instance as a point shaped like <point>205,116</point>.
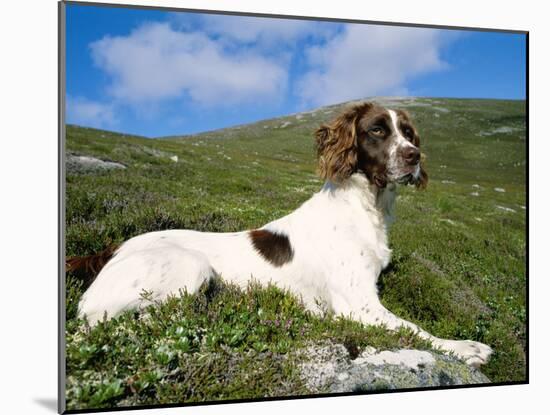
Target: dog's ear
<point>337,145</point>
<point>422,181</point>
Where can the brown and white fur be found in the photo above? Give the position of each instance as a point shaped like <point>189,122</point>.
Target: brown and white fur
<point>331,249</point>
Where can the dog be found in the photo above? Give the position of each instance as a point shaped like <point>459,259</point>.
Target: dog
<point>329,250</point>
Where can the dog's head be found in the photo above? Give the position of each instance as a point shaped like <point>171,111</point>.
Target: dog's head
<point>383,144</point>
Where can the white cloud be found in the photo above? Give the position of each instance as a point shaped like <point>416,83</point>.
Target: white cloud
<point>156,62</point>
<point>83,111</point>
<point>229,60</point>
<point>367,60</point>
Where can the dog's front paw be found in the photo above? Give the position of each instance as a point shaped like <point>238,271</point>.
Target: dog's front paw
<point>473,353</point>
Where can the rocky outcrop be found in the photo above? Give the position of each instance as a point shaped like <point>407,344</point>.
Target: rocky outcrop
<point>328,368</point>
<point>80,164</point>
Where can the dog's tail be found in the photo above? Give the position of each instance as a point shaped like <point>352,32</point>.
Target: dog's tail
<point>86,268</point>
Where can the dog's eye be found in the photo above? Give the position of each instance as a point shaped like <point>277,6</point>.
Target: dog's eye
<point>377,131</point>
<point>409,133</point>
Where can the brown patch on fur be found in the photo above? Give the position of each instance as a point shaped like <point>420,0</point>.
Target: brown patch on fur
<point>87,267</point>
<point>337,144</point>
<point>373,149</point>
<point>275,248</point>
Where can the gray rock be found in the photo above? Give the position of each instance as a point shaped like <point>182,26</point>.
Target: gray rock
<point>328,368</point>
<point>80,164</point>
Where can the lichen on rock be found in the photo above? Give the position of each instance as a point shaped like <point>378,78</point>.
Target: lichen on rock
<point>328,368</point>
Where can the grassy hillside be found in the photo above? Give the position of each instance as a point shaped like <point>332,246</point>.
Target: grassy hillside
<point>459,248</point>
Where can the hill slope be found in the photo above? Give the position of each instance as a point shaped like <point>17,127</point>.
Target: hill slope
<point>458,267</point>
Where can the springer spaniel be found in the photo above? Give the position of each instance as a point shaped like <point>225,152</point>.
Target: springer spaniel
<point>332,248</point>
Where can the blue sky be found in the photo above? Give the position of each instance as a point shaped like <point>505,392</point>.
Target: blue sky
<point>158,73</point>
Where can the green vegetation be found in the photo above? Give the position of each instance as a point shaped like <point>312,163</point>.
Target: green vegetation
<point>458,267</point>
<point>221,343</point>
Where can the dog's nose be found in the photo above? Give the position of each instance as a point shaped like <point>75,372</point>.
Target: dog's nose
<point>411,155</point>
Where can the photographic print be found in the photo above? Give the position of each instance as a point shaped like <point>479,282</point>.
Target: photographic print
<point>260,207</point>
